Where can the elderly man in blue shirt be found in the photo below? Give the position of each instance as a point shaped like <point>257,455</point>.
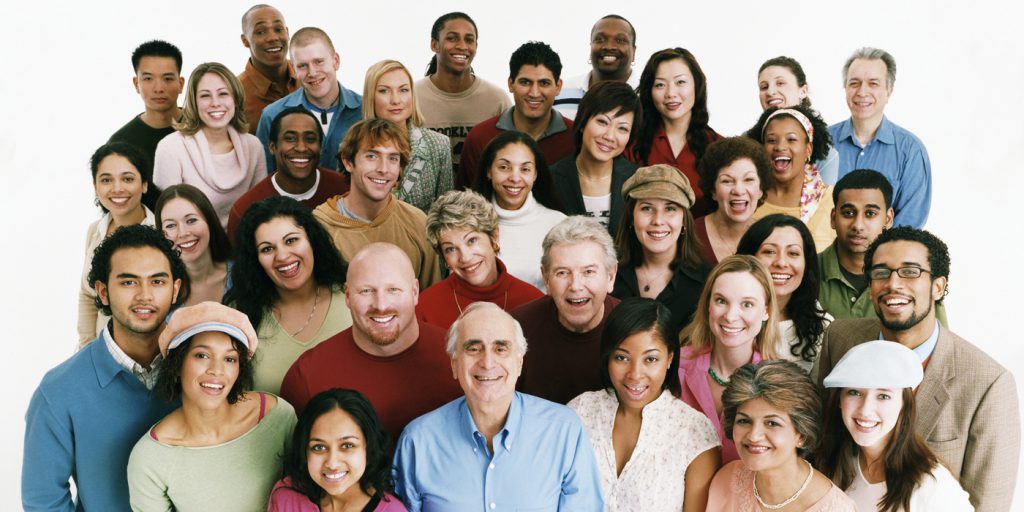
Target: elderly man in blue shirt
<point>868,140</point>
<point>495,448</point>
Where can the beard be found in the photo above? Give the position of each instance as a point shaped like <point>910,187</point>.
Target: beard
<point>903,325</point>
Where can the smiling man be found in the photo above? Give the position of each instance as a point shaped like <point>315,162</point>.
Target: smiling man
<point>295,142</point>
<point>612,50</point>
<point>158,80</point>
<point>534,79</point>
<point>500,449</point>
<point>374,153</point>
<point>387,355</point>
<point>868,140</point>
<point>967,409</point>
<point>88,412</point>
<point>268,75</point>
<point>337,108</point>
<point>579,267</point>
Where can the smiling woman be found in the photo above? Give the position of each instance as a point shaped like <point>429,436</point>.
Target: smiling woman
<point>188,220</point>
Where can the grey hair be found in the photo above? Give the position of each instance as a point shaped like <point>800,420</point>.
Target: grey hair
<point>460,209</point>
<point>577,229</point>
<point>453,331</point>
<point>869,53</point>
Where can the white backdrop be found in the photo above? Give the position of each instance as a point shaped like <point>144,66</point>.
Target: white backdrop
<point>69,87</point>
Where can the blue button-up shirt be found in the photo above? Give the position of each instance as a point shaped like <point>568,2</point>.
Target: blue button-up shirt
<point>348,113</point>
<point>542,461</point>
<point>900,156</point>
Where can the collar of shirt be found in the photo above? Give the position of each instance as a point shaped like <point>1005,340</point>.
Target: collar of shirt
<point>505,436</point>
<point>346,97</point>
<point>146,377</point>
<point>298,197</point>
<point>556,125</point>
<point>264,84</point>
<point>885,133</point>
<point>924,350</point>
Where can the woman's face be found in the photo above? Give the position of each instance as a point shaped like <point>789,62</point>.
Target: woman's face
<point>738,308</point>
<point>470,255</point>
<point>186,228</point>
<point>284,252</point>
<point>210,369</point>
<point>764,435</point>
<point>737,190</point>
<point>606,134</point>
<point>637,369</point>
<point>512,175</point>
<point>871,414</point>
<point>392,99</point>
<point>214,101</point>
<point>658,225</point>
<point>786,143</point>
<point>779,88</point>
<point>783,253</point>
<point>673,91</point>
<point>119,186</point>
<point>336,453</point>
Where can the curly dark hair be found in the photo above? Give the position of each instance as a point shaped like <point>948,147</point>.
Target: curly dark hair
<point>168,382</point>
<point>821,142</point>
<point>606,96</point>
<point>220,247</point>
<point>534,53</point>
<point>722,153</point>
<point>252,292</point>
<point>633,316</point>
<point>794,67</point>
<point>698,135</point>
<point>133,237</point>
<point>377,476</point>
<point>938,252</point>
<point>139,161</point>
<point>543,187</point>
<point>808,317</point>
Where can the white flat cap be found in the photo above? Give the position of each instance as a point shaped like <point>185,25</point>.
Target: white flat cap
<point>877,364</point>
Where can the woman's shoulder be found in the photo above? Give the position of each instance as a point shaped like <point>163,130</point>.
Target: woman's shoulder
<point>285,498</point>
<point>591,402</point>
<point>940,490</point>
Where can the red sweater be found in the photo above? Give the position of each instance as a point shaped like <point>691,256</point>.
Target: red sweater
<point>443,302</point>
<point>400,387</point>
<point>559,364</point>
<point>332,183</point>
<point>554,146</point>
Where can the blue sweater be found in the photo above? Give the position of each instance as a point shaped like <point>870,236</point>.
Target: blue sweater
<point>82,423</point>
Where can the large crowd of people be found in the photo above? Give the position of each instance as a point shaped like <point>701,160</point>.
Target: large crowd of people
<point>429,297</point>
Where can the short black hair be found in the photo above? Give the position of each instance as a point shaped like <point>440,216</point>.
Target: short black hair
<point>156,48</point>
<point>636,315</point>
<point>864,179</point>
<point>821,141</point>
<point>632,29</point>
<point>275,125</point>
<point>139,161</point>
<point>133,237</point>
<point>534,53</point>
<point>606,96</point>
<point>938,252</point>
<point>376,477</point>
<point>168,382</point>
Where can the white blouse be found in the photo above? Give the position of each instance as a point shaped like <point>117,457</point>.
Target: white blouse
<point>672,434</point>
<point>938,492</point>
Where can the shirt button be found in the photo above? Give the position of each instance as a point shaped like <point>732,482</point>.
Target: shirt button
<point>492,465</point>
<point>474,450</point>
<point>493,506</point>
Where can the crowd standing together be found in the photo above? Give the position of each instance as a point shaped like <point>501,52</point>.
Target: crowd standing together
<point>427,297</point>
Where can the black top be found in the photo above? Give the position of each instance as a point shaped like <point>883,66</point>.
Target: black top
<point>567,184</point>
<point>141,135</point>
<point>680,295</point>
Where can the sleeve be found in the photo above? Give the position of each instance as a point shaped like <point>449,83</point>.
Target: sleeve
<point>234,217</point>
<point>146,487</point>
<point>823,364</point>
<point>470,159</point>
<point>87,312</point>
<point>829,167</point>
<point>261,158</point>
<point>989,471</point>
<point>946,493</point>
<point>581,485</point>
<point>48,458</point>
<point>263,134</point>
<point>166,169</point>
<point>295,388</point>
<point>914,198</point>
<point>285,499</point>
<point>442,161</point>
<point>404,472</point>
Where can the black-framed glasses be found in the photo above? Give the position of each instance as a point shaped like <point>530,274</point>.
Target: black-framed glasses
<point>879,273</point>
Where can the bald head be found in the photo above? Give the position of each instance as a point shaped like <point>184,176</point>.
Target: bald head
<point>381,256</point>
<point>381,292</point>
<point>265,34</point>
<point>247,17</point>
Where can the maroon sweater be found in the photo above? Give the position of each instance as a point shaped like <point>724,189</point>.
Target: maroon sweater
<point>332,183</point>
<point>443,302</point>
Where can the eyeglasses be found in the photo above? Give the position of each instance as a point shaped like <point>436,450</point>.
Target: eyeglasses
<point>880,273</point>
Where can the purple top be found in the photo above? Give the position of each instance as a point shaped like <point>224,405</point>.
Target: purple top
<point>285,499</point>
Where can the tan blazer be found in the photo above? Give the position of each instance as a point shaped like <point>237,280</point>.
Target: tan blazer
<point>967,410</point>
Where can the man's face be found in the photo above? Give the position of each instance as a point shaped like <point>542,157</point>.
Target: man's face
<point>382,296</point>
<point>487,362</point>
<point>611,48</point>
<point>578,281</point>
<point>455,47</point>
<point>867,89</point>
<point>266,37</point>
<point>158,82</point>
<point>902,303</point>
<point>375,171</point>
<point>858,218</point>
<point>534,89</point>
<point>140,290</point>
<point>316,66</point>
<point>297,148</point>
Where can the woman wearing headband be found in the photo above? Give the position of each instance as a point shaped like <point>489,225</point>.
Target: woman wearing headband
<point>871,448</point>
<point>793,138</point>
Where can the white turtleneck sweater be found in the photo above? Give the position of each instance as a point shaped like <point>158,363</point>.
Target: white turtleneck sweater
<point>522,232</point>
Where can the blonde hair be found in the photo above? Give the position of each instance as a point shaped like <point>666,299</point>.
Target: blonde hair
<point>461,209</point>
<point>698,333</point>
<point>189,123</point>
<point>373,75</point>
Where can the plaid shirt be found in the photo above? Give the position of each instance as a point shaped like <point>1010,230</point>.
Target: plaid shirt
<point>146,376</point>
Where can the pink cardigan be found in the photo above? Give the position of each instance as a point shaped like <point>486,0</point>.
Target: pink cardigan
<point>186,159</point>
<point>693,372</point>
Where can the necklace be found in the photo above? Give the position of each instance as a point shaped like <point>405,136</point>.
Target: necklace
<point>316,299</point>
<point>647,287</point>
<point>791,499</point>
<point>503,306</point>
<point>714,376</point>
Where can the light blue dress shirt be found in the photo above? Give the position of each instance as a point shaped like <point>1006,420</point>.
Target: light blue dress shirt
<point>900,156</point>
<point>542,461</point>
